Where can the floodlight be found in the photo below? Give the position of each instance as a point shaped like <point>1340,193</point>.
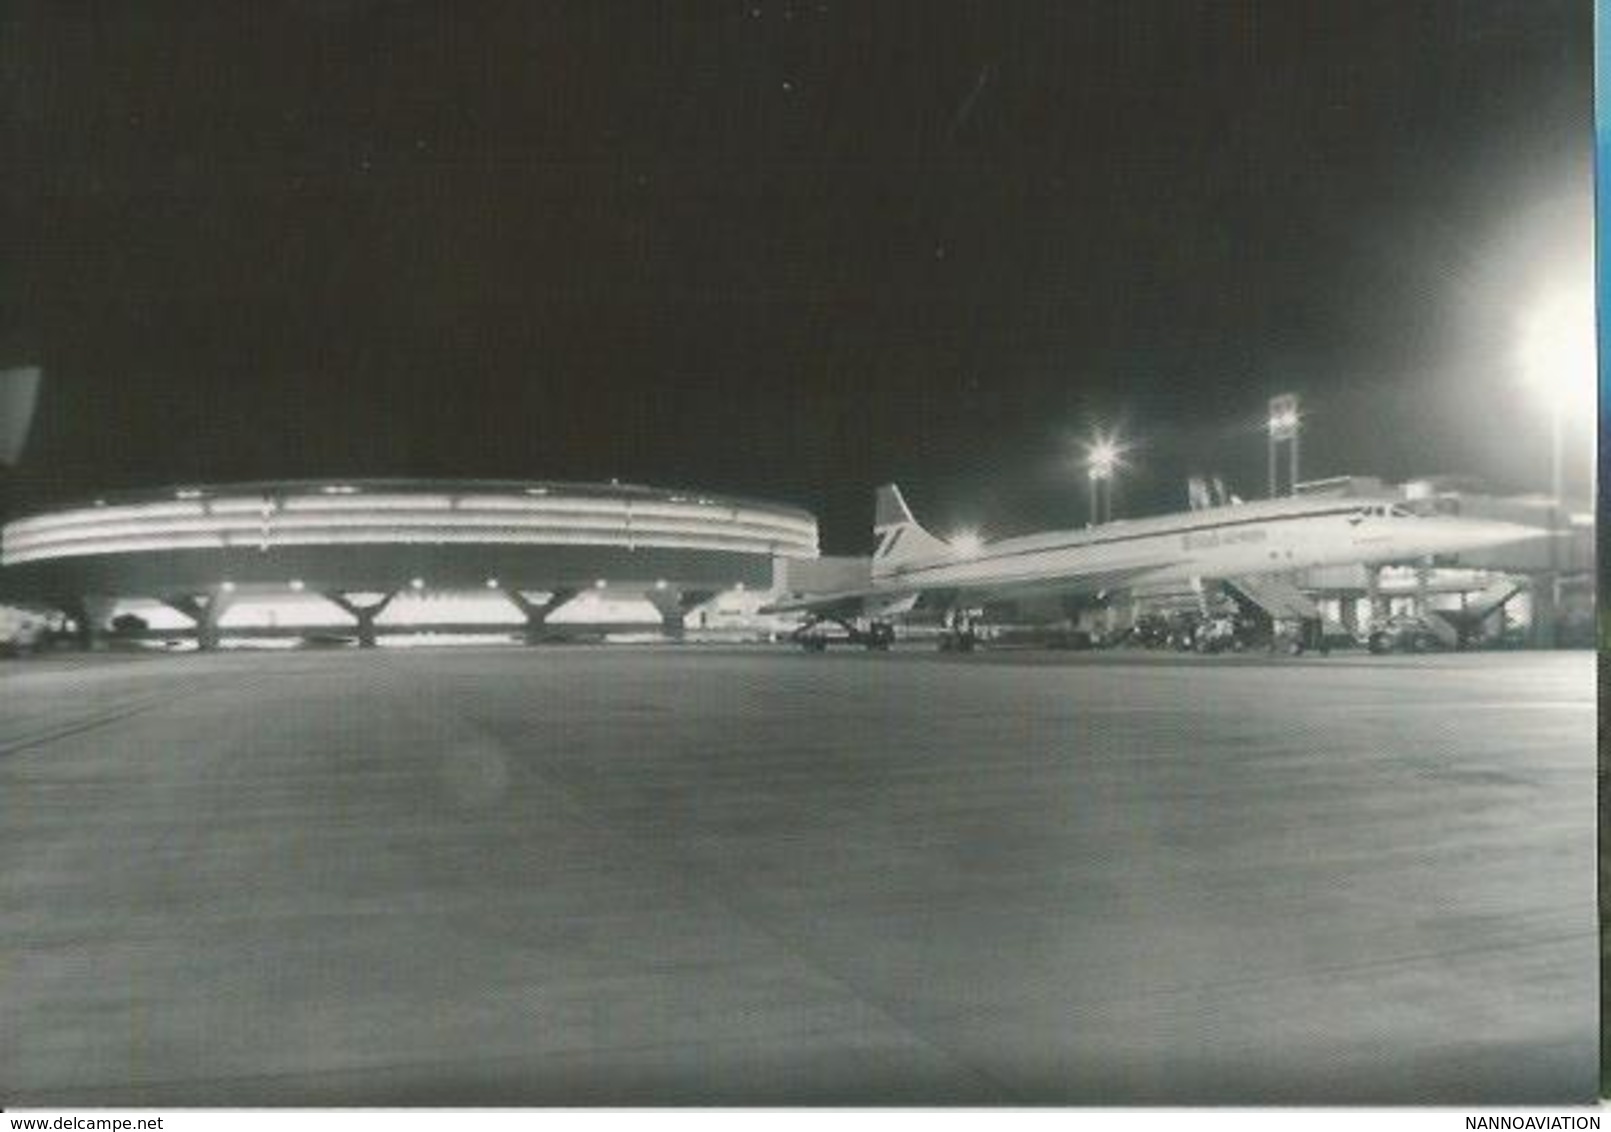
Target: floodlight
<point>966,543</point>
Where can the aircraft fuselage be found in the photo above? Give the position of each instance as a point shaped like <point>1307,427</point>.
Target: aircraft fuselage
<point>1224,542</point>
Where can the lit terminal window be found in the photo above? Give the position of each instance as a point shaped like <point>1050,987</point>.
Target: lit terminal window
<point>397,517</point>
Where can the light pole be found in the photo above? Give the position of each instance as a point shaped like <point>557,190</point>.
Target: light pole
<point>1547,629</point>
<point>1558,359</point>
<point>1101,461</point>
<point>1283,425</point>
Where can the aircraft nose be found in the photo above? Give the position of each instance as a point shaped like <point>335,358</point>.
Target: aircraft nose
<point>1493,532</point>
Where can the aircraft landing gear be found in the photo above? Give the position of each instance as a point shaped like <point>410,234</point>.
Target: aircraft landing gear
<point>958,635</point>
<point>1310,635</point>
<point>877,636</point>
<point>1314,636</point>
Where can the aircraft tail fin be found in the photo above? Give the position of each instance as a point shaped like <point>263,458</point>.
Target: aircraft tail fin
<point>902,541</point>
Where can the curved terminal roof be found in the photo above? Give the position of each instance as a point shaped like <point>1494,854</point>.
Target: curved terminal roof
<point>357,530</point>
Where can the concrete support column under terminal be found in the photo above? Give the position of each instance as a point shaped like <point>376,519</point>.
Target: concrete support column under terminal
<point>364,614</point>
<point>90,616</point>
<point>538,613</point>
<point>204,609</point>
<point>673,606</point>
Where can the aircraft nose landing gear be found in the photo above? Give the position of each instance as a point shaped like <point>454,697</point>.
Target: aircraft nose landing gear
<point>958,634</point>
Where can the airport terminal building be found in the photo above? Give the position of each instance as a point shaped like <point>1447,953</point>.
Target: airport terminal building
<point>363,557</point>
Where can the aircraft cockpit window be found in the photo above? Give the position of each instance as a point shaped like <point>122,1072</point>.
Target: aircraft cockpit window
<point>1379,511</point>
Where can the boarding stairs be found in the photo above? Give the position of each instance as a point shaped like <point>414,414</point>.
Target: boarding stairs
<point>1278,598</point>
<point>1457,627</point>
<point>1282,601</point>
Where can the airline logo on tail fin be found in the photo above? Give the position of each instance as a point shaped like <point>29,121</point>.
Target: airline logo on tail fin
<point>902,541</point>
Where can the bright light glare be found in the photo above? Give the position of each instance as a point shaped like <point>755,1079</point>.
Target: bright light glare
<point>1103,456</point>
<point>1557,348</point>
<point>966,543</point>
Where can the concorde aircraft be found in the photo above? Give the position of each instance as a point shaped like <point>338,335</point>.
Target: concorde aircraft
<point>1244,546</point>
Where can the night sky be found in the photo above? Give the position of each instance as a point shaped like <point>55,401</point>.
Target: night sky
<point>787,249</point>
